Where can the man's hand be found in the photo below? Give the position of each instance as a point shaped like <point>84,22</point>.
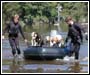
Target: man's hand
<point>25,40</point>
<point>86,33</point>
<point>66,40</point>
<point>3,37</point>
<point>65,44</point>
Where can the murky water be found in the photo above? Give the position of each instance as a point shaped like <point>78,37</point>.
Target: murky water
<point>13,65</point>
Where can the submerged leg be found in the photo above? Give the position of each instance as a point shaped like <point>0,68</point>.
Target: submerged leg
<point>12,44</point>
<point>17,45</point>
<point>77,48</point>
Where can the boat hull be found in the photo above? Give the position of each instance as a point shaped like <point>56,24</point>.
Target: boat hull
<point>36,52</point>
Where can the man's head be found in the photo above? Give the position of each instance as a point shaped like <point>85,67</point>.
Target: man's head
<point>16,18</point>
<point>69,20</point>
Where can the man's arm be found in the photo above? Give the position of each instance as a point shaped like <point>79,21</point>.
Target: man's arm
<point>68,35</point>
<point>20,29</point>
<point>80,29</point>
<point>6,28</point>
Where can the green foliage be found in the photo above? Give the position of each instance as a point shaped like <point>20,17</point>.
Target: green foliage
<point>32,13</point>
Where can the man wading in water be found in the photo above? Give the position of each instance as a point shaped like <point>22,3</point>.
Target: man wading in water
<point>75,34</point>
<point>13,29</point>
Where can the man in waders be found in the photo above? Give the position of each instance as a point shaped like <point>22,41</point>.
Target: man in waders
<point>75,34</point>
<point>13,29</point>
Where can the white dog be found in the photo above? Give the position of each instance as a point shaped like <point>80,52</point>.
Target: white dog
<point>55,38</point>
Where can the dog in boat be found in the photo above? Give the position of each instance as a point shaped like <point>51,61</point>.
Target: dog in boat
<point>55,41</point>
<point>36,39</point>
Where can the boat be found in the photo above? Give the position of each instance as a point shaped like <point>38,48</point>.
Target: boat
<point>45,53</point>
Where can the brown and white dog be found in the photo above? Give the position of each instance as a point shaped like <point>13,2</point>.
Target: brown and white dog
<point>36,39</point>
<point>55,40</point>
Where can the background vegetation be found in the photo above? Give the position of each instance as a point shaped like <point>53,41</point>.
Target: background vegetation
<point>41,16</point>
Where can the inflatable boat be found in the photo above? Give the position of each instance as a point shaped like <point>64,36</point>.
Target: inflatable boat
<point>37,52</point>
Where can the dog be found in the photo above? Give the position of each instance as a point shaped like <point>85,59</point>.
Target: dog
<point>55,40</point>
<point>36,39</point>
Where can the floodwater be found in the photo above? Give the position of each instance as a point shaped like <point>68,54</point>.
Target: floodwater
<point>13,65</point>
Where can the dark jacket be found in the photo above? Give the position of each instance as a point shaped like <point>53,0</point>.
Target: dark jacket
<point>75,33</point>
<point>13,29</point>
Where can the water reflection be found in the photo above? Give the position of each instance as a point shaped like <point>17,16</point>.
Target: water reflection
<point>19,66</point>
<point>76,68</point>
<point>16,66</point>
<point>22,66</point>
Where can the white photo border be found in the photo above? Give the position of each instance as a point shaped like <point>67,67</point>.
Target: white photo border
<point>44,1</point>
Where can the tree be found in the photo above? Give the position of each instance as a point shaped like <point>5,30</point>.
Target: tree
<point>31,12</point>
